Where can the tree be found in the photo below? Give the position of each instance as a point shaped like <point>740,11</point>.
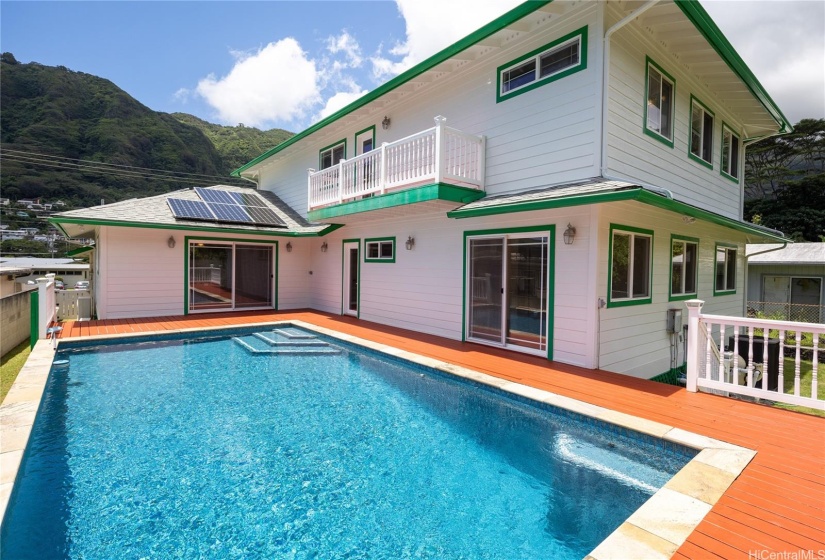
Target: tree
<point>785,182</point>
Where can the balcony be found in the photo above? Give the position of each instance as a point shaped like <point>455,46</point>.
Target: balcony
<point>439,155</point>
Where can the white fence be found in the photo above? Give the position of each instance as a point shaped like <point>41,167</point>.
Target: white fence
<point>73,305</point>
<point>439,154</point>
<point>746,356</point>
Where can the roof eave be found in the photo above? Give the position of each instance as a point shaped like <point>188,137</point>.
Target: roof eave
<point>494,26</point>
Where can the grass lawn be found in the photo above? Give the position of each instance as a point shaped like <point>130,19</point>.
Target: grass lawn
<point>805,376</point>
<point>10,366</point>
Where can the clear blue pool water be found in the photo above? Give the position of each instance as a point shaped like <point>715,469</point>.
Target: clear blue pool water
<point>211,448</point>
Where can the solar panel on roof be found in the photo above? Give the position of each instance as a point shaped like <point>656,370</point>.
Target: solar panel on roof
<point>192,209</point>
<point>265,216</point>
<point>217,195</point>
<point>229,212</point>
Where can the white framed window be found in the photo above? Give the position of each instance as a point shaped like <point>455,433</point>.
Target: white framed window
<point>546,64</point>
<point>379,250</point>
<point>701,133</point>
<point>659,103</point>
<point>725,270</point>
<point>332,155</point>
<point>730,154</point>
<point>684,256</point>
<point>631,259</point>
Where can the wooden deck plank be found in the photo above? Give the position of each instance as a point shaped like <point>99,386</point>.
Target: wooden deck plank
<point>777,504</point>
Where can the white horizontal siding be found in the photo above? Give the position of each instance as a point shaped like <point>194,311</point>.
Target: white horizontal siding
<point>636,156</point>
<point>633,340</point>
<point>545,136</point>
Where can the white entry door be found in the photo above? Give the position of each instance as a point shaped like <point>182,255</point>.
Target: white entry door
<point>350,277</point>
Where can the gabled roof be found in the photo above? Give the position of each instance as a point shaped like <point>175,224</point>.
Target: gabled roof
<point>690,8</point>
<point>597,191</point>
<point>154,212</point>
<point>796,254</point>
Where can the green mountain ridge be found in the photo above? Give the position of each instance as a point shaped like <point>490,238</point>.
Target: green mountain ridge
<point>55,121</point>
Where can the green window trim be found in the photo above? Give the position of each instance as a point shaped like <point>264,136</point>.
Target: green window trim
<point>330,147</point>
<point>666,140</point>
<point>722,167</point>
<point>359,133</point>
<point>639,300</point>
<point>229,240</point>
<point>551,272</point>
<point>579,35</point>
<point>728,248</point>
<point>694,101</point>
<point>379,243</point>
<point>686,295</point>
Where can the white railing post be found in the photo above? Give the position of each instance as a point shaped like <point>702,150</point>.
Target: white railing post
<point>382,174</point>
<point>482,162</point>
<point>439,147</point>
<point>341,180</point>
<point>694,307</point>
<point>310,197</point>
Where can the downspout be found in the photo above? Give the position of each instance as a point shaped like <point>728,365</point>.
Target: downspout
<point>747,258</point>
<point>606,73</point>
<point>250,180</point>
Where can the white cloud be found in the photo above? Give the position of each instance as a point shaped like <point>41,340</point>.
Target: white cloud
<point>783,43</point>
<point>339,101</point>
<point>433,25</point>
<point>278,83</point>
<point>348,45</point>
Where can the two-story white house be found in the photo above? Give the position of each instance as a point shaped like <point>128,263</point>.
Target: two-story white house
<point>553,183</point>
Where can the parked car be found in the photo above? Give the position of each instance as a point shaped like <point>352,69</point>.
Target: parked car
<point>59,285</point>
<point>82,285</point>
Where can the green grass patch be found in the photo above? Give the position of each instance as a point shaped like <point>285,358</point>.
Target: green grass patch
<point>10,366</point>
<point>805,382</point>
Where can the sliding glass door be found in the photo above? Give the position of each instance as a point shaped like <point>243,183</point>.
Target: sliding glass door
<point>227,275</point>
<point>508,290</point>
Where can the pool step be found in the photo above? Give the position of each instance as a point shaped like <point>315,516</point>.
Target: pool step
<point>259,345</point>
<point>293,334</point>
<point>271,339</point>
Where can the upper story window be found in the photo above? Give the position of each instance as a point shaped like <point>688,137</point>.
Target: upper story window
<point>684,256</point>
<point>333,154</point>
<point>631,257</point>
<point>659,105</point>
<point>701,133</point>
<point>556,60</point>
<point>730,154</point>
<point>379,250</point>
<point>725,270</point>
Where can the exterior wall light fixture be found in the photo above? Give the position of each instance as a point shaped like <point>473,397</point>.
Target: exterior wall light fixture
<point>569,234</point>
<point>689,219</point>
<point>171,242</point>
<point>385,124</point>
<point>324,247</point>
<point>410,244</point>
<point>289,246</point>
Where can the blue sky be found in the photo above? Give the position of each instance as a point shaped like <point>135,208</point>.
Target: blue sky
<point>287,64</point>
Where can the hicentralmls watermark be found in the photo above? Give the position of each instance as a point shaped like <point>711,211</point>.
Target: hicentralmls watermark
<point>787,555</point>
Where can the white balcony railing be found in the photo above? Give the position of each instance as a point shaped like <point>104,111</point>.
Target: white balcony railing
<point>439,154</point>
<point>747,356</point>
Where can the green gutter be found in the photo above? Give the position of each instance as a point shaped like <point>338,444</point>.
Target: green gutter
<point>638,194</point>
<point>703,22</point>
<point>123,223</point>
<point>80,251</point>
<point>494,26</point>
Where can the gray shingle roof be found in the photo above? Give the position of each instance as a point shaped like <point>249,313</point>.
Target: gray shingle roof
<point>593,186</point>
<point>155,210</point>
<point>798,253</point>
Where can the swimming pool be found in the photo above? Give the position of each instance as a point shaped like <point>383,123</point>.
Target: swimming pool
<point>222,448</point>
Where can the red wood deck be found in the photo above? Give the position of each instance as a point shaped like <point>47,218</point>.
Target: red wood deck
<point>777,505</point>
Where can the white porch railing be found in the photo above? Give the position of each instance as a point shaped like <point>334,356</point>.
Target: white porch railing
<point>746,356</point>
<point>206,274</point>
<point>439,154</point>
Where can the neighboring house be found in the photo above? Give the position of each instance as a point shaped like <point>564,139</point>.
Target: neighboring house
<point>8,275</point>
<point>787,282</point>
<point>587,179</point>
<point>69,270</point>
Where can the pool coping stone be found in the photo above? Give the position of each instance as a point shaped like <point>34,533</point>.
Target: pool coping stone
<point>655,530</point>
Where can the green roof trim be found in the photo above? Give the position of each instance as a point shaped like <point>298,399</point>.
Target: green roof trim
<point>424,193</point>
<point>494,26</point>
<point>703,22</point>
<point>123,223</point>
<point>638,194</point>
<point>80,251</point>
